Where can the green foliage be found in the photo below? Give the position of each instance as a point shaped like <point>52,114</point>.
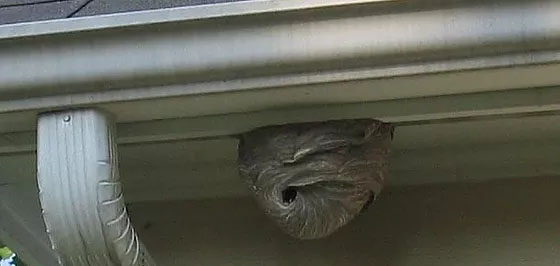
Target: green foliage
<point>7,257</point>
<point>5,252</point>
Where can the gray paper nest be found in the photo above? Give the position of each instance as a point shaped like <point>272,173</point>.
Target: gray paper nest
<point>313,178</point>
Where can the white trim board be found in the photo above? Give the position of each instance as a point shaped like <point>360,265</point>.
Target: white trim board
<point>498,105</point>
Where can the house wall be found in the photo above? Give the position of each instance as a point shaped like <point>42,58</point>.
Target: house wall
<point>505,222</point>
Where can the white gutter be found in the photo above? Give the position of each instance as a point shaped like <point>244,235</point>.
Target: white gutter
<point>157,47</point>
<point>260,55</point>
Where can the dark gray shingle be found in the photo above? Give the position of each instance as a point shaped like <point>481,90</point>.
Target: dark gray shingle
<point>15,11</point>
<point>27,11</point>
<point>97,7</point>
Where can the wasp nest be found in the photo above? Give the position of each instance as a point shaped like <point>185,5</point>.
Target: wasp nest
<point>313,178</point>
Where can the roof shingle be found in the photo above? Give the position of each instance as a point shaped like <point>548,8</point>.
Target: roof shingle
<point>16,11</point>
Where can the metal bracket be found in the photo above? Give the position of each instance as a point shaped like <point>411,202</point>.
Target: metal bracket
<point>80,192</point>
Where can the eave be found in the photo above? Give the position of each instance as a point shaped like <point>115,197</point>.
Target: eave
<point>470,85</point>
<point>257,56</point>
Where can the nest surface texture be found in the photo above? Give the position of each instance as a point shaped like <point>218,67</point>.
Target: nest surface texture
<point>313,178</point>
